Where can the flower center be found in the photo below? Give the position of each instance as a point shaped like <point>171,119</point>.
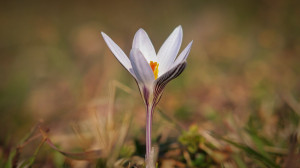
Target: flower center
<point>154,67</point>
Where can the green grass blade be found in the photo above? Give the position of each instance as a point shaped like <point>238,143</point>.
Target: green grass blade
<point>251,152</point>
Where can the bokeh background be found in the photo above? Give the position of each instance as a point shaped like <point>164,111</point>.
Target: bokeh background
<point>244,62</point>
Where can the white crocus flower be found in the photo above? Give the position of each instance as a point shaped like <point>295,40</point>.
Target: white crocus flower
<point>152,71</point>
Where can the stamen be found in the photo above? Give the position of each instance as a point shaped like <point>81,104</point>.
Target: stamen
<point>154,67</point>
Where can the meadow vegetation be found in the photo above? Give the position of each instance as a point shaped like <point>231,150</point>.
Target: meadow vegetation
<point>66,102</point>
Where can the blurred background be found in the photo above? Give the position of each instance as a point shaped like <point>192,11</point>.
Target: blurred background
<point>244,63</point>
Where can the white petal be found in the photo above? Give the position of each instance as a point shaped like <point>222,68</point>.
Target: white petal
<point>118,52</point>
<point>163,80</point>
<point>143,43</point>
<point>183,55</point>
<point>141,68</point>
<point>169,50</point>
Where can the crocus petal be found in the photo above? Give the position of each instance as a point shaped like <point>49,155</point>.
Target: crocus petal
<point>183,55</point>
<point>163,80</point>
<point>141,68</point>
<point>143,43</point>
<point>169,50</point>
<point>119,54</point>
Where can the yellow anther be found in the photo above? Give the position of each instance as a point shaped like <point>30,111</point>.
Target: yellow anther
<point>154,67</point>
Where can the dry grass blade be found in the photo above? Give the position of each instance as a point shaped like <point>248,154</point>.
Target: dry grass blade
<point>27,139</point>
<point>30,161</point>
<point>169,119</point>
<point>251,152</point>
<point>291,101</point>
<point>89,155</point>
<point>229,164</point>
<point>122,133</point>
<point>293,158</point>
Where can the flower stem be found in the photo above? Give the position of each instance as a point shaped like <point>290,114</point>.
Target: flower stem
<point>148,130</point>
